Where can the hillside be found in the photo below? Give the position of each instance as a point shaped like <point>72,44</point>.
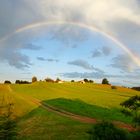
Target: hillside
<point>90,100</point>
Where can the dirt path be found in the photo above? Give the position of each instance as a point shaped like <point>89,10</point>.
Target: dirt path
<point>70,115</point>
<point>80,118</point>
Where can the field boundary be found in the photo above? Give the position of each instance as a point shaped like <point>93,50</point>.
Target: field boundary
<point>82,119</point>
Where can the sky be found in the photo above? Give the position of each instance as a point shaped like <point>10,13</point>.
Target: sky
<point>73,39</point>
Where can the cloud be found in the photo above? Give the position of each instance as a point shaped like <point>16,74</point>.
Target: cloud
<point>31,46</point>
<point>96,53</point>
<point>104,51</point>
<point>96,75</point>
<point>69,35</point>
<point>41,58</point>
<point>49,59</point>
<point>83,64</point>
<point>15,58</point>
<point>124,63</point>
<point>115,12</point>
<point>52,60</point>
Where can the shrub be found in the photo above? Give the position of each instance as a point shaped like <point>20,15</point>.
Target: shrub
<point>107,131</point>
<point>113,87</point>
<point>126,112</point>
<point>49,80</point>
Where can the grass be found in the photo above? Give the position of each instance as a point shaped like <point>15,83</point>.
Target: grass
<point>81,108</point>
<point>93,100</point>
<point>44,125</point>
<point>100,95</point>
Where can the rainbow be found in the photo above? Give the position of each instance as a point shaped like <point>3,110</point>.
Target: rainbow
<point>135,59</point>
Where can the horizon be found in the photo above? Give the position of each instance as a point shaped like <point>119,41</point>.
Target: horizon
<point>58,39</point>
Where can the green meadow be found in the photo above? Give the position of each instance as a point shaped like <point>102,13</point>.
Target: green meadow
<point>91,100</point>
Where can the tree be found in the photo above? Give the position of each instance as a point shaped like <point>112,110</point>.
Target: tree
<point>7,125</point>
<point>57,80</point>
<point>105,81</point>
<point>17,82</point>
<point>34,79</point>
<point>72,81</point>
<point>107,131</point>
<point>7,82</point>
<point>91,81</point>
<point>86,80</point>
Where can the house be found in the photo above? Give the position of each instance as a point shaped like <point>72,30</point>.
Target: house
<point>60,82</point>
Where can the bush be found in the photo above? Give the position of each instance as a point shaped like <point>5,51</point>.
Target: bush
<point>126,112</point>
<point>113,87</point>
<point>49,80</point>
<point>107,131</point>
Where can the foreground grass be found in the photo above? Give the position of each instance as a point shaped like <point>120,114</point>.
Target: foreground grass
<point>44,125</point>
<point>81,108</point>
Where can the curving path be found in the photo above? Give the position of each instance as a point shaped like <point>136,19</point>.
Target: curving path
<point>70,115</point>
<point>80,118</point>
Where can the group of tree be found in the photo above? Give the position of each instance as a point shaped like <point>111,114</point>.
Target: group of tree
<point>34,79</point>
<point>136,88</point>
<point>7,82</point>
<point>21,82</point>
<point>88,81</point>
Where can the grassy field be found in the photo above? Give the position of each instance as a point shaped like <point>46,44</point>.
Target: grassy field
<point>93,100</point>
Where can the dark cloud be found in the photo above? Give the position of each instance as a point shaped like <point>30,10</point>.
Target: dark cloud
<point>83,64</point>
<point>41,58</point>
<point>14,58</point>
<point>104,51</point>
<point>49,59</point>
<point>96,75</point>
<point>124,63</point>
<point>69,35</point>
<point>96,53</point>
<point>32,47</point>
<point>52,60</point>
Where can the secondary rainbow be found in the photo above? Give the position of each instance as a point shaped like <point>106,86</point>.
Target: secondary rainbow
<point>90,27</point>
